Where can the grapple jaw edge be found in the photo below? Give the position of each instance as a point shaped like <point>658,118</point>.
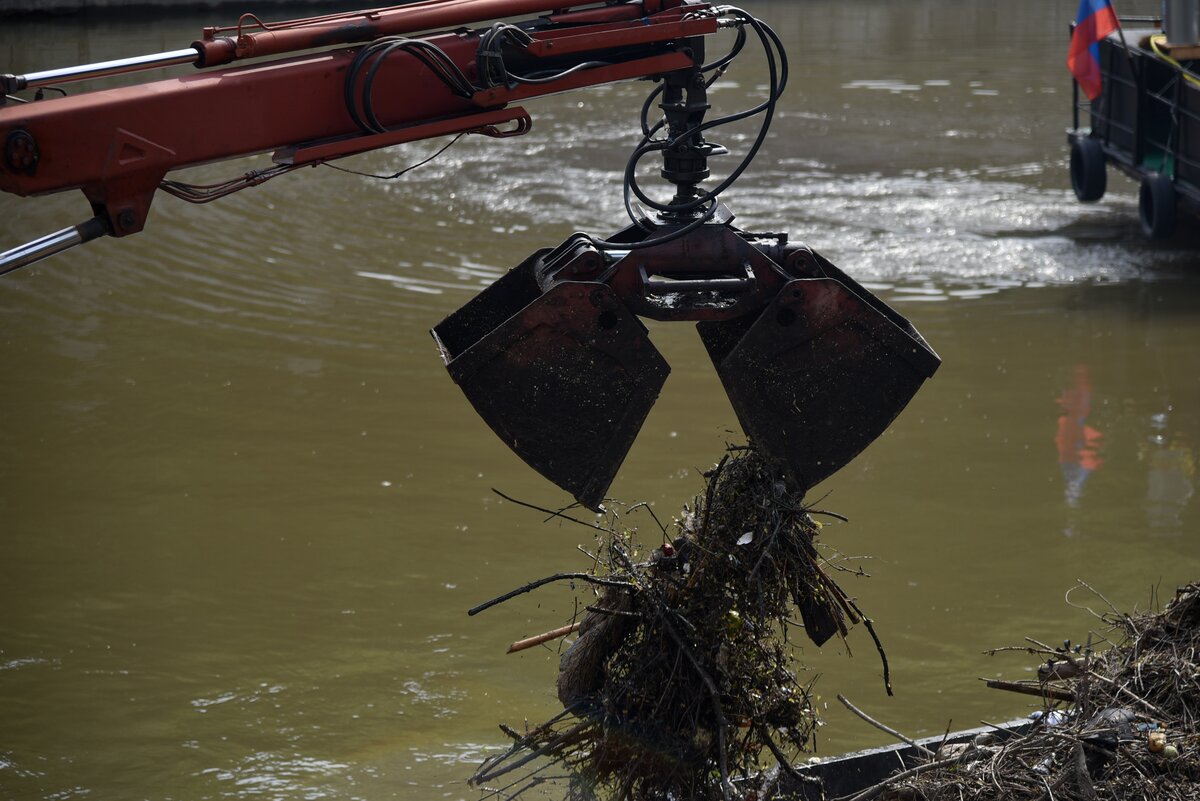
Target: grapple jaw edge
<point>554,358</point>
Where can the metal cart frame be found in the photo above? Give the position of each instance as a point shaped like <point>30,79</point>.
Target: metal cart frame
<point>1146,123</point>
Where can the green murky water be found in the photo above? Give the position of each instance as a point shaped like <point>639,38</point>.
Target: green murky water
<point>243,509</point>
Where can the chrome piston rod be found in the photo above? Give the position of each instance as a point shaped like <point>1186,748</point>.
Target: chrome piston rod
<point>101,69</point>
<point>50,244</point>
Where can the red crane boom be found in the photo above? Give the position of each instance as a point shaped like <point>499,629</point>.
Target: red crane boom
<point>117,145</point>
<point>553,355</point>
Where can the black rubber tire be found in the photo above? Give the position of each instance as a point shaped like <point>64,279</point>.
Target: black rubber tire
<point>1088,176</point>
<point>1156,206</point>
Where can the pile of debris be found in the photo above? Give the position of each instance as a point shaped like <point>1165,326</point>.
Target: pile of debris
<point>1122,723</point>
<point>681,681</point>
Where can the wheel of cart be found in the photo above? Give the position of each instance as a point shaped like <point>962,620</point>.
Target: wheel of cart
<point>1145,122</point>
<point>1089,178</point>
<point>1156,206</point>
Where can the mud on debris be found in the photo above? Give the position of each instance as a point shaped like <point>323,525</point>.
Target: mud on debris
<point>1121,721</point>
<point>682,682</point>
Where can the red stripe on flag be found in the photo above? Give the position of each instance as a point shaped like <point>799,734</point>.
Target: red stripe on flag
<point>1079,58</point>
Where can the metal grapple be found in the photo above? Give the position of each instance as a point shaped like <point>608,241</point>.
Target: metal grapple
<point>554,358</point>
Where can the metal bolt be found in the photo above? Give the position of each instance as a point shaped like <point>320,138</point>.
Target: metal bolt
<point>21,152</point>
<point>126,220</point>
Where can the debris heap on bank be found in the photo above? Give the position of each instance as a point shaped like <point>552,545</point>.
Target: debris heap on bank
<point>1120,724</point>
<point>682,682</point>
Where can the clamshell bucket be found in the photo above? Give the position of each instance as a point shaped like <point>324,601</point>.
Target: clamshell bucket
<point>821,373</point>
<point>555,360</point>
<point>565,378</point>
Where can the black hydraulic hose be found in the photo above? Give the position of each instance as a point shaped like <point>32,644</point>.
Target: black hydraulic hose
<point>537,78</point>
<point>778,76</point>
<point>733,53</point>
<point>351,78</point>
<point>717,66</point>
<point>645,115</point>
<point>433,57</point>
<point>489,55</point>
<point>493,71</point>
<point>608,244</point>
<point>491,67</point>
<point>368,107</point>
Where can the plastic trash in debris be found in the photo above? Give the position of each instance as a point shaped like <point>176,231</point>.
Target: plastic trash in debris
<point>1053,717</point>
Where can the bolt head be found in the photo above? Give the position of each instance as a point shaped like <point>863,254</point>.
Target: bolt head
<point>21,152</point>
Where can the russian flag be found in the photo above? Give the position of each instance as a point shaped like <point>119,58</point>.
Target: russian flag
<point>1096,20</point>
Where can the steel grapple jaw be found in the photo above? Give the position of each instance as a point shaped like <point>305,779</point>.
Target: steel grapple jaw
<point>554,358</point>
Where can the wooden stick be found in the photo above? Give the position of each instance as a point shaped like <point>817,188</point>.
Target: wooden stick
<point>553,513</point>
<point>876,789</point>
<point>727,789</point>
<point>533,585</point>
<point>1083,779</point>
<point>1134,696</point>
<point>781,758</point>
<point>1039,690</point>
<point>887,673</point>
<point>529,642</point>
<point>834,515</point>
<point>922,750</point>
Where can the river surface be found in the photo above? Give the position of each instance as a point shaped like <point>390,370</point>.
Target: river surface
<point>243,509</point>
